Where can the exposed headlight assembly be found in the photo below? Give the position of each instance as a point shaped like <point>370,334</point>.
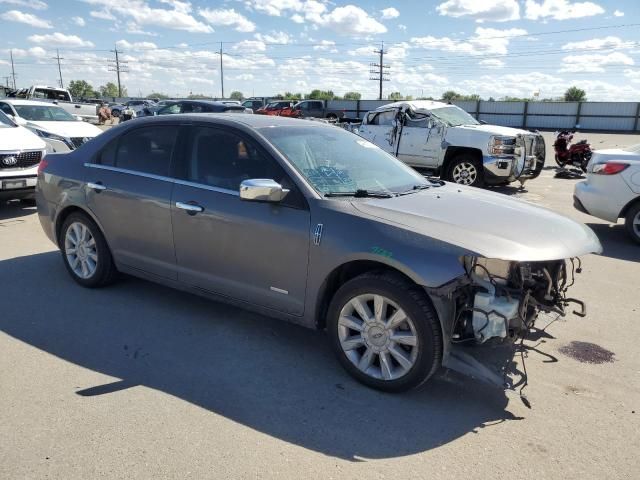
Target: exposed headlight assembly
<point>502,145</point>
<point>53,136</point>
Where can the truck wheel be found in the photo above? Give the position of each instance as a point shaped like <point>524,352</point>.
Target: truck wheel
<point>385,332</point>
<point>332,116</point>
<point>632,222</point>
<point>466,170</point>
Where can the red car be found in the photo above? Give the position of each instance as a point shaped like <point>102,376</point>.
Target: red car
<point>275,108</point>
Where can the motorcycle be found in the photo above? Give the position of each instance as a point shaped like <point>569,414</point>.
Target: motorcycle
<point>576,154</point>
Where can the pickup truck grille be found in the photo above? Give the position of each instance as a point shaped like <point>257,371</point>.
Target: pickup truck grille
<point>19,160</point>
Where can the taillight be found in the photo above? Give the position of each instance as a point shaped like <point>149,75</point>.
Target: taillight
<point>609,168</point>
<point>42,165</point>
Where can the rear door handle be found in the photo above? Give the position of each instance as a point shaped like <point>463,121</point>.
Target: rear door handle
<point>191,208</point>
<point>97,186</point>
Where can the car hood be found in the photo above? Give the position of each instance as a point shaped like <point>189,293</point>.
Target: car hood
<point>493,130</point>
<point>67,129</point>
<point>19,138</point>
<point>488,224</point>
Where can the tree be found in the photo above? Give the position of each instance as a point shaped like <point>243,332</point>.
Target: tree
<point>197,96</point>
<point>157,95</point>
<point>320,95</point>
<point>291,96</point>
<point>352,96</point>
<point>110,90</point>
<point>81,89</point>
<point>236,95</point>
<point>575,94</point>
<point>395,96</point>
<point>450,96</point>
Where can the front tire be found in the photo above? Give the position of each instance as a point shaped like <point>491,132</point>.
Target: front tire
<point>466,170</point>
<point>385,332</point>
<point>632,222</point>
<point>85,252</point>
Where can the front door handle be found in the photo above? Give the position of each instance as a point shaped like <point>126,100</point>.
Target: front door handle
<point>97,186</point>
<point>191,208</point>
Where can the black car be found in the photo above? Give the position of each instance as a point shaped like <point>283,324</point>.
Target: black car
<point>200,106</point>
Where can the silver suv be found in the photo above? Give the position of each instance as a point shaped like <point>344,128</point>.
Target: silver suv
<point>315,225</point>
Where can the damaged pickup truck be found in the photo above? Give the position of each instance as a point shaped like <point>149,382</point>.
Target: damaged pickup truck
<point>452,144</point>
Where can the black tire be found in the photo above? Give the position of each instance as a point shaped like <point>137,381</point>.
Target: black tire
<point>465,158</point>
<point>332,116</point>
<point>632,214</point>
<point>115,113</point>
<point>416,305</point>
<point>105,270</point>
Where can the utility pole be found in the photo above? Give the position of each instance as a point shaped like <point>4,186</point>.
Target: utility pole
<point>379,69</point>
<point>13,71</point>
<point>221,72</point>
<point>119,67</point>
<point>6,80</point>
<point>58,58</point>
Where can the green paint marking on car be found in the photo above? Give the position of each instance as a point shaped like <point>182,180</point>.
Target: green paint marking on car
<point>382,252</point>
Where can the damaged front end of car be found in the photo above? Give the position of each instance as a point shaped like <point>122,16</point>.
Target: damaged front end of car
<point>496,303</point>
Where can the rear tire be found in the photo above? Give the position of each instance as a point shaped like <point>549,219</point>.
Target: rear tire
<point>632,222</point>
<point>391,339</point>
<point>466,170</point>
<point>85,252</point>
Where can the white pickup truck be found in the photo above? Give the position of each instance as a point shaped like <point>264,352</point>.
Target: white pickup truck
<point>450,143</point>
<point>62,98</point>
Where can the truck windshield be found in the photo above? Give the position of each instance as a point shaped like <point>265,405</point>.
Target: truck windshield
<point>454,116</point>
<point>43,113</point>
<point>5,122</point>
<point>336,161</point>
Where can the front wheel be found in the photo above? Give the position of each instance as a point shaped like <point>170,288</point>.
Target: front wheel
<point>466,170</point>
<point>385,332</point>
<point>632,222</point>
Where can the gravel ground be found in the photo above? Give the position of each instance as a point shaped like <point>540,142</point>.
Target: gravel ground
<point>140,381</point>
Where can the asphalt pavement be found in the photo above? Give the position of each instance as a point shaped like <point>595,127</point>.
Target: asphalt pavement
<point>140,381</point>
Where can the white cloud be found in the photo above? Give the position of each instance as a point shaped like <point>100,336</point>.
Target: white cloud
<point>402,27</point>
<point>60,39</point>
<point>560,9</point>
<point>618,13</point>
<point>324,45</point>
<point>481,10</point>
<point>177,17</point>
<point>227,18</point>
<point>492,63</point>
<point>102,15</point>
<point>351,20</point>
<point>485,41</point>
<point>280,38</point>
<point>594,62</point>
<point>35,4</point>
<point>598,43</point>
<point>31,52</point>
<point>26,18</point>
<point>126,45</point>
<point>633,75</point>
<point>274,7</point>
<point>388,13</point>
<point>250,46</point>
<point>79,21</point>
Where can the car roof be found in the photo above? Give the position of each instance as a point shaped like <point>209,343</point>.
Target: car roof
<point>19,101</point>
<point>415,105</point>
<point>252,121</point>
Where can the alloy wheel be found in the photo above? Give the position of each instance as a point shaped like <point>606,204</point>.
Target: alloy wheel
<point>464,173</point>
<point>80,250</point>
<point>636,224</point>
<point>378,337</point>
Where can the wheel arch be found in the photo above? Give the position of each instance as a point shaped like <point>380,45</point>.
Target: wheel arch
<point>628,206</point>
<point>453,152</point>
<point>70,209</point>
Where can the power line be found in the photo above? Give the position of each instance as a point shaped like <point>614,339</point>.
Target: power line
<point>58,58</point>
<point>379,69</point>
<point>118,66</point>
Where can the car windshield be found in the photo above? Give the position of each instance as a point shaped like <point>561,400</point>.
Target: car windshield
<point>336,161</point>
<point>43,113</point>
<point>454,116</point>
<point>5,122</point>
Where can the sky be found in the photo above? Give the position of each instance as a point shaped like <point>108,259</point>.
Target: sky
<point>494,48</point>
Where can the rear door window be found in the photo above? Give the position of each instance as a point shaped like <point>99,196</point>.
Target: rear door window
<point>147,149</point>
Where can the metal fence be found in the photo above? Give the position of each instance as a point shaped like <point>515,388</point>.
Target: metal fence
<point>599,116</point>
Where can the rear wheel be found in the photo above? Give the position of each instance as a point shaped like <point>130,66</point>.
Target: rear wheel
<point>466,170</point>
<point>85,252</point>
<point>632,222</point>
<point>385,332</point>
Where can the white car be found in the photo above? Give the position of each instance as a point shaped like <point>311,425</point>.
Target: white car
<point>20,154</point>
<point>452,144</point>
<point>612,188</point>
<point>61,130</point>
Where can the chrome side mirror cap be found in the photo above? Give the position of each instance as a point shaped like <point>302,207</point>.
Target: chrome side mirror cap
<point>262,190</point>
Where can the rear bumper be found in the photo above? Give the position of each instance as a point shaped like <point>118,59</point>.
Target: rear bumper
<point>602,201</point>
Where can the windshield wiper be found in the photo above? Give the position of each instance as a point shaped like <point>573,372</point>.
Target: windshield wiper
<point>359,193</point>
<point>414,189</point>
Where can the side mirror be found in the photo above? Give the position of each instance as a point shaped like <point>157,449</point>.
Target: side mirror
<point>482,122</point>
<point>262,190</point>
